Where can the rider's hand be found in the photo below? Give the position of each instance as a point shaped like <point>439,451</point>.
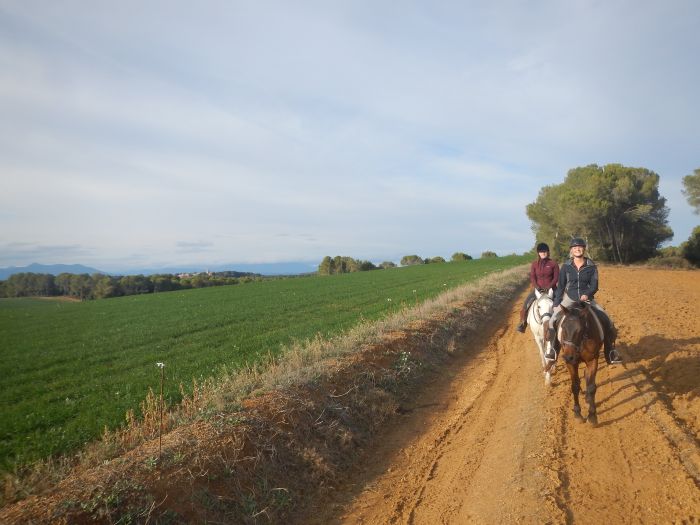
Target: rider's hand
<point>584,298</point>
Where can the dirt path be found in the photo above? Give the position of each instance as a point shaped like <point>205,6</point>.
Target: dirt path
<point>492,444</point>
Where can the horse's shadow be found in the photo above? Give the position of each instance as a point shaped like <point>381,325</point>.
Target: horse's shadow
<point>665,375</point>
<point>675,376</point>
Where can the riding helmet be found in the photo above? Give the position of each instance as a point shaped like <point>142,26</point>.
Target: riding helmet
<point>542,247</point>
<point>577,241</point>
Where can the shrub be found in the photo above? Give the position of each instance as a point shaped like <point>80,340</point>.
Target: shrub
<point>691,248</point>
<point>671,251</point>
<point>489,254</point>
<point>459,256</point>
<point>669,262</point>
<point>410,260</point>
<point>343,264</point>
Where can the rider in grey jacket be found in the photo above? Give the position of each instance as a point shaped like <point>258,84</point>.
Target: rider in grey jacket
<point>578,281</point>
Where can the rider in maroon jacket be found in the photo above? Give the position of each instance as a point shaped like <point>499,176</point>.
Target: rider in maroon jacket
<point>544,274</point>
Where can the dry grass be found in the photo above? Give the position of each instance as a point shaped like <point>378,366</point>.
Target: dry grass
<point>272,430</point>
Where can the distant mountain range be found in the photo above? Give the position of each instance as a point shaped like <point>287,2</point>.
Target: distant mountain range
<point>53,269</point>
<point>284,268</point>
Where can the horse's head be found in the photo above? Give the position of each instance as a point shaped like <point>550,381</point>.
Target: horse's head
<point>543,306</point>
<point>574,326</point>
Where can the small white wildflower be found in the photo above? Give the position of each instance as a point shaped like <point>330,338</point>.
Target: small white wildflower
<point>160,365</point>
<point>389,299</point>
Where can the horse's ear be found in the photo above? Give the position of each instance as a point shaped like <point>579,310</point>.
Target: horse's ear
<point>538,294</point>
<point>550,293</point>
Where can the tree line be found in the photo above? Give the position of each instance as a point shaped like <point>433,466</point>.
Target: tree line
<point>617,209</point>
<point>344,264</point>
<point>100,286</point>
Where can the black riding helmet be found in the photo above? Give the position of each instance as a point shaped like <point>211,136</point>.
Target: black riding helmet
<point>577,241</point>
<point>542,247</point>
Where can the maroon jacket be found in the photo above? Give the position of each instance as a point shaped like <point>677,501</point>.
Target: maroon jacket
<point>544,273</point>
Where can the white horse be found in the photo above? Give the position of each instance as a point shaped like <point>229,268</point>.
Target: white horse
<point>539,311</point>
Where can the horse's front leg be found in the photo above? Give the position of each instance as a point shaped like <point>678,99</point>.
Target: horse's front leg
<point>575,387</point>
<point>591,371</point>
<point>546,367</point>
<point>539,339</point>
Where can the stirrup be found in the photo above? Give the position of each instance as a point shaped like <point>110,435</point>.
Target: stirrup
<point>550,355</point>
<point>614,357</point>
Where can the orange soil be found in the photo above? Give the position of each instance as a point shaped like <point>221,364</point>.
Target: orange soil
<point>493,444</point>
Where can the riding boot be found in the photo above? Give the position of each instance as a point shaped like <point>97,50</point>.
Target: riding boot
<point>523,323</point>
<point>610,336</point>
<point>612,356</point>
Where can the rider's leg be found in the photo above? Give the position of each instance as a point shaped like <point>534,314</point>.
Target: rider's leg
<point>523,312</point>
<point>523,323</point>
<point>610,335</point>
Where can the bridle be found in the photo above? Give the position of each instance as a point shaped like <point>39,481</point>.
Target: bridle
<point>584,329</point>
<point>540,318</point>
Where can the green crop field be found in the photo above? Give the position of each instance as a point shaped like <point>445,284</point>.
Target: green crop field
<point>67,369</point>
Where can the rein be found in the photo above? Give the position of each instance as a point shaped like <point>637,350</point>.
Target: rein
<point>585,328</point>
<point>567,342</point>
<point>577,350</point>
<point>540,318</point>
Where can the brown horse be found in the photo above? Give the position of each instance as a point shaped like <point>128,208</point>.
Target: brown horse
<point>581,337</point>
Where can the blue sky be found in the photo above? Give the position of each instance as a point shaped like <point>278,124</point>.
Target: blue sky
<point>145,134</point>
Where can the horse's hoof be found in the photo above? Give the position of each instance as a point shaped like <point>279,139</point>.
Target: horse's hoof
<point>593,419</point>
<point>578,416</point>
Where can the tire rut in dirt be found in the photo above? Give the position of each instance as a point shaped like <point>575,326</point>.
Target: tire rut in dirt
<point>514,481</point>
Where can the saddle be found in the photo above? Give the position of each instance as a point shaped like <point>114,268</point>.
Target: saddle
<point>608,331</point>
